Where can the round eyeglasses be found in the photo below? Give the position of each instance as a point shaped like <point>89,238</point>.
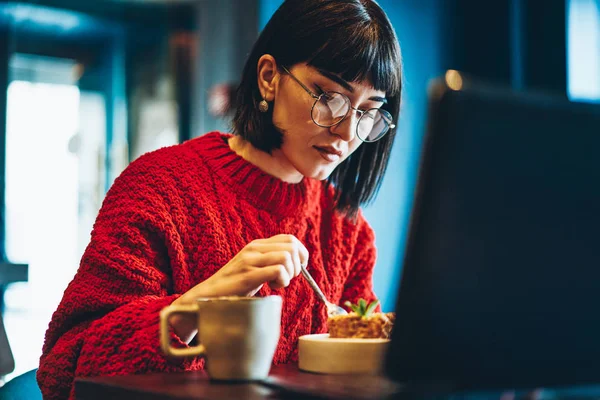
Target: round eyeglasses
<point>331,108</point>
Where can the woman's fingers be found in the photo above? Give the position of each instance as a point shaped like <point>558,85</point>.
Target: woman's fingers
<point>288,243</point>
<point>275,275</point>
<point>281,257</point>
<point>302,250</point>
<point>279,278</point>
<point>274,261</point>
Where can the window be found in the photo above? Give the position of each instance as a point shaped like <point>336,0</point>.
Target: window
<point>583,44</point>
<point>55,145</point>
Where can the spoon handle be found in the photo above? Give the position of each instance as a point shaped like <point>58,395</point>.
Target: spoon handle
<point>314,285</point>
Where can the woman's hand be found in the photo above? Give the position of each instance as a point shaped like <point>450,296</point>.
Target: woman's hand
<point>274,261</point>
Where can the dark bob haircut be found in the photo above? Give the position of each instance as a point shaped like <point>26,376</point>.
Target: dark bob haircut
<point>351,38</point>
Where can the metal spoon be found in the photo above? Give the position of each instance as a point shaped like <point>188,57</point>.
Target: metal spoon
<point>332,309</point>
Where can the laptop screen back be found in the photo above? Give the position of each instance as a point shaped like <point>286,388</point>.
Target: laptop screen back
<point>501,279</point>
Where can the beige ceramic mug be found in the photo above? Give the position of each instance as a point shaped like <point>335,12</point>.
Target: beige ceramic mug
<point>236,335</point>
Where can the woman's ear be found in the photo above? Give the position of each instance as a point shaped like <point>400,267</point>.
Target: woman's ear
<point>268,76</point>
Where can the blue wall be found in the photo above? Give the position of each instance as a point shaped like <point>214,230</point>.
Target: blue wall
<point>417,26</point>
<point>266,8</point>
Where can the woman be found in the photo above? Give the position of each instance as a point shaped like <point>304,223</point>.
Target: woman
<point>238,214</point>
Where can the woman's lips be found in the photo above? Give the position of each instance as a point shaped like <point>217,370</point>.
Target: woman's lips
<point>329,154</point>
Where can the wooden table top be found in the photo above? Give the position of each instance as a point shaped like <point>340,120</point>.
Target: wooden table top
<point>184,385</point>
<point>284,382</point>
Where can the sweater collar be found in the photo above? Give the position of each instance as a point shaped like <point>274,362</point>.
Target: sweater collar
<point>258,187</point>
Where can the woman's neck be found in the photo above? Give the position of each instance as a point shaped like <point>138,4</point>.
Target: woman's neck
<point>275,164</point>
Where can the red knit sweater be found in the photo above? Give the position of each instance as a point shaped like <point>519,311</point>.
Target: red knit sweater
<point>171,220</point>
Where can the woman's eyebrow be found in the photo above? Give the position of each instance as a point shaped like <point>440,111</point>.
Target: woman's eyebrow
<point>378,98</point>
<point>343,83</point>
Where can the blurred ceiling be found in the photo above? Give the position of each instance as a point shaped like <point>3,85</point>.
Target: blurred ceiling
<point>155,1</point>
<point>148,13</point>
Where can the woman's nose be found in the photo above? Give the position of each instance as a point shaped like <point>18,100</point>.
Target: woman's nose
<point>347,128</point>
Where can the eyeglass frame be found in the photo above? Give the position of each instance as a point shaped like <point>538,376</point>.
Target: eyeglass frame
<point>317,97</point>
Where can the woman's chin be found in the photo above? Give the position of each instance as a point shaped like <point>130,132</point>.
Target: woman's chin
<point>320,173</point>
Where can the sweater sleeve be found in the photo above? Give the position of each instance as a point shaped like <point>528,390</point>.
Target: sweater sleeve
<point>107,322</point>
<point>359,284</point>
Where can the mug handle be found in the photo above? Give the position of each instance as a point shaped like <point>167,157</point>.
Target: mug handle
<point>165,338</point>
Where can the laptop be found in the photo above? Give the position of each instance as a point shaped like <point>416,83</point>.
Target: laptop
<point>501,279</point>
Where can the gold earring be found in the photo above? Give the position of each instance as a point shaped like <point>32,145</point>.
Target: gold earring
<point>263,106</point>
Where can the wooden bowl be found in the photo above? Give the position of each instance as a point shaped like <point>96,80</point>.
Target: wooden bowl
<point>322,354</point>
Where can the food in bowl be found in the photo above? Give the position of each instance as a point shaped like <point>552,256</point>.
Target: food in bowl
<point>362,322</point>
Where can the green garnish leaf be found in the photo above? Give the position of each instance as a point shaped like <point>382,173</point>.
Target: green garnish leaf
<point>353,307</point>
<point>371,308</point>
<point>362,309</point>
<point>362,304</point>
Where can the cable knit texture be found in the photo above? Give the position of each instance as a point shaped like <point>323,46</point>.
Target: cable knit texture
<point>171,220</point>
